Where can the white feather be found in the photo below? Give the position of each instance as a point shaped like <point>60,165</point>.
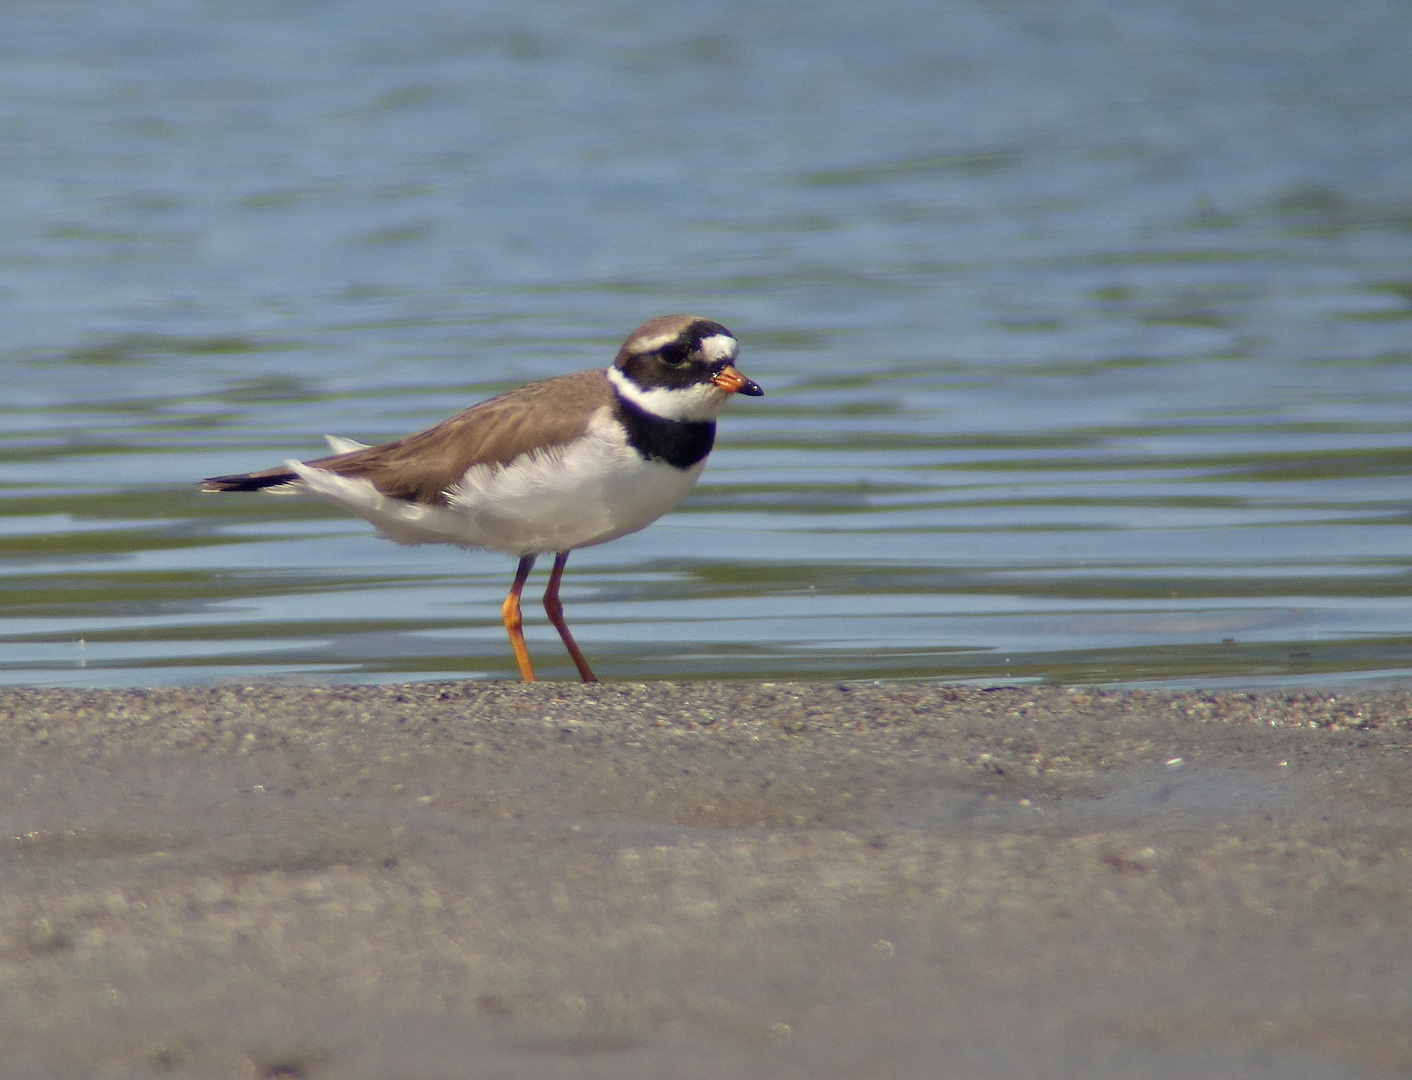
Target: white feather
<point>339,445</point>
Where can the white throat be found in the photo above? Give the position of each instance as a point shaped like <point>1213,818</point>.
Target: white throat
<point>701,401</point>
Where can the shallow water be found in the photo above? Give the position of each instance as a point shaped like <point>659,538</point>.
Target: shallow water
<point>1084,331</point>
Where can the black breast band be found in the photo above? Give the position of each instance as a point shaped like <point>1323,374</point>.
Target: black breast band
<point>680,443</point>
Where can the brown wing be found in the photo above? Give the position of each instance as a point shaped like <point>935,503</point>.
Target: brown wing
<point>422,467</point>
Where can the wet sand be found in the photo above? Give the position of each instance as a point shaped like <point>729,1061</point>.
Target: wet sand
<point>704,880</point>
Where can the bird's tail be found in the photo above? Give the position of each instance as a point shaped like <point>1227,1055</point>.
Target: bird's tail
<point>253,481</point>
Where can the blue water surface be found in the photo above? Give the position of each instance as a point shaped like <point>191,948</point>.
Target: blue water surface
<point>1084,329</point>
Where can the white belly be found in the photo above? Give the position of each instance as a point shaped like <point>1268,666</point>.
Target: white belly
<point>595,490</point>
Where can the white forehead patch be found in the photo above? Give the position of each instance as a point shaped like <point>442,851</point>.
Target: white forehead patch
<point>719,347</point>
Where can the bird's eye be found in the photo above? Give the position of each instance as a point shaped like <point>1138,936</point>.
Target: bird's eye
<point>675,355</point>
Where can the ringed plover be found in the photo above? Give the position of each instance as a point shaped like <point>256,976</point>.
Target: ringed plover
<point>565,463</point>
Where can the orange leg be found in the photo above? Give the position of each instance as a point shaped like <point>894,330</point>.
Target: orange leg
<point>555,611</point>
<point>510,613</point>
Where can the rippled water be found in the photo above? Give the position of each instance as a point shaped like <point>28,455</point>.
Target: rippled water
<point>1084,330</point>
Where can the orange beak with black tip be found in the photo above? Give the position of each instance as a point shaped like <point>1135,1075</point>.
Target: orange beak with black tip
<point>732,381</point>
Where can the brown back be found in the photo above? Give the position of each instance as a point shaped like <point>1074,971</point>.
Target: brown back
<point>423,466</point>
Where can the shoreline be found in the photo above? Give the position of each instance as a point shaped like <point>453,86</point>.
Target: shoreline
<point>704,879</point>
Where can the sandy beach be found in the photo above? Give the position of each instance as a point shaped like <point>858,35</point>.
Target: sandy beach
<point>704,880</point>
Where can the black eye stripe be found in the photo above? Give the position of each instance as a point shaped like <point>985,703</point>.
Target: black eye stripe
<point>674,354</point>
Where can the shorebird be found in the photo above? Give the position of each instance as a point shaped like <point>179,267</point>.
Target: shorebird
<point>555,465</point>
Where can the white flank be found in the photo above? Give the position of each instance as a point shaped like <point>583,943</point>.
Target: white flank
<point>592,491</point>
<point>701,401</point>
